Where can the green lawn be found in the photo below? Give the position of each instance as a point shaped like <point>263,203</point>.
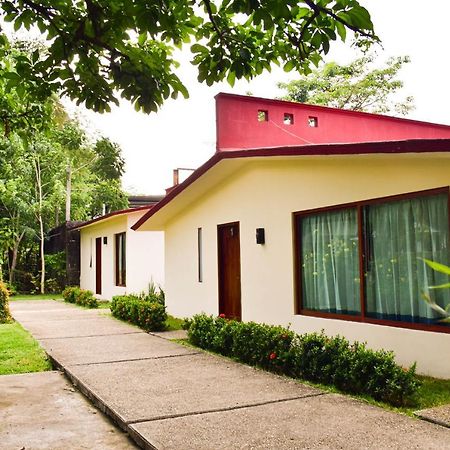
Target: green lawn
<point>434,392</point>
<point>19,352</point>
<point>35,297</point>
<point>173,323</point>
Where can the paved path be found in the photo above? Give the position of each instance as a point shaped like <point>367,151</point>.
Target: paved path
<point>167,396</point>
<point>43,411</point>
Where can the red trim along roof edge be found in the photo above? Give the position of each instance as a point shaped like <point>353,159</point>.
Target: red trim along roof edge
<point>112,214</point>
<point>385,147</point>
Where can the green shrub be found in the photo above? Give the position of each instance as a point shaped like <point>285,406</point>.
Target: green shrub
<point>11,288</point>
<point>55,268</point>
<point>86,298</point>
<point>82,297</point>
<point>314,357</point>
<point>146,313</point>
<point>186,323</point>
<point>5,315</point>
<point>26,282</point>
<point>70,293</point>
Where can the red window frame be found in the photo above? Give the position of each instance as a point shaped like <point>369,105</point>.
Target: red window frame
<point>296,216</point>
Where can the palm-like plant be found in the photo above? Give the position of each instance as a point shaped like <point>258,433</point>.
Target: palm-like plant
<point>442,268</point>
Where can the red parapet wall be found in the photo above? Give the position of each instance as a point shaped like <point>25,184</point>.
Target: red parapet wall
<point>250,122</point>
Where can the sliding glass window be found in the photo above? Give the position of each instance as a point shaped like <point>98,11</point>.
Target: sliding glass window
<point>384,243</point>
<point>399,236</point>
<point>330,269</point>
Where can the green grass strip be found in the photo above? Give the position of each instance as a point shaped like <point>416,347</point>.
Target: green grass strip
<point>19,352</point>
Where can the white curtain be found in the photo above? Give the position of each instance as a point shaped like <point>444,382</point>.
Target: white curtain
<point>400,234</point>
<point>330,262</point>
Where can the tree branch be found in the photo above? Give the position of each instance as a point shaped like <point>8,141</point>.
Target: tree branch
<point>329,12</point>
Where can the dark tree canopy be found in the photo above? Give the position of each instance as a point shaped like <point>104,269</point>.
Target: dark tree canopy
<point>99,49</point>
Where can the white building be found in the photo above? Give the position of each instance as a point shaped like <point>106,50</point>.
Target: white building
<point>316,236</point>
<point>116,260</point>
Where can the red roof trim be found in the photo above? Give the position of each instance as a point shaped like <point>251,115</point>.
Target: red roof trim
<point>112,214</point>
<point>388,147</point>
<point>328,108</point>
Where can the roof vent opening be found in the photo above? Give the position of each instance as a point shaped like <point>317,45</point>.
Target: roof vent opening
<point>288,119</point>
<point>263,115</point>
<point>313,122</point>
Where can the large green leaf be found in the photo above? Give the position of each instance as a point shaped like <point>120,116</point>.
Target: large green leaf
<point>438,267</point>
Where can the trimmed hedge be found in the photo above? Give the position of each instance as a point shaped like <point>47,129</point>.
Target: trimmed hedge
<point>313,357</point>
<point>146,313</point>
<point>5,314</point>
<point>82,297</point>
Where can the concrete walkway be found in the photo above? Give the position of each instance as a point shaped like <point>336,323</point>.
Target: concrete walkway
<point>167,396</point>
<point>43,411</point>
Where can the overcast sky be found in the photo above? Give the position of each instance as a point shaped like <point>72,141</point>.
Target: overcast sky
<point>182,133</point>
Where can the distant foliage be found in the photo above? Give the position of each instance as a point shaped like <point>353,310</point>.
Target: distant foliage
<point>82,297</point>
<point>5,315</point>
<point>358,86</point>
<point>56,272</point>
<point>147,313</point>
<point>314,357</point>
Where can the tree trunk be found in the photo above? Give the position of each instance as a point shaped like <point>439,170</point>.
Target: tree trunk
<point>14,257</point>
<point>37,169</point>
<point>41,229</point>
<point>68,190</point>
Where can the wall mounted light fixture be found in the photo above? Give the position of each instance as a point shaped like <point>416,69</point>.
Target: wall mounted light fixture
<point>260,236</point>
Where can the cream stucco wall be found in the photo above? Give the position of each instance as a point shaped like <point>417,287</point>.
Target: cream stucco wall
<point>144,256</point>
<point>265,193</point>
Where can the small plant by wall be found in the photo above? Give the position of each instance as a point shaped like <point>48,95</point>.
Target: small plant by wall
<point>82,297</point>
<point>147,313</point>
<point>313,357</point>
<point>154,293</point>
<point>5,315</point>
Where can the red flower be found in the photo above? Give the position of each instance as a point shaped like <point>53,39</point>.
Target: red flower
<point>272,356</point>
<point>222,316</point>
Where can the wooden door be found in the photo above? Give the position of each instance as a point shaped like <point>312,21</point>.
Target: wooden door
<point>98,265</point>
<point>229,265</point>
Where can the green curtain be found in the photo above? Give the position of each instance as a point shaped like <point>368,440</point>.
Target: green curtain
<point>399,235</point>
<point>330,266</point>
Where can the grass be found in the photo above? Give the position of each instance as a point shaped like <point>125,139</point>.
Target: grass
<point>103,304</point>
<point>173,323</point>
<point>35,297</point>
<point>19,352</point>
<point>433,392</point>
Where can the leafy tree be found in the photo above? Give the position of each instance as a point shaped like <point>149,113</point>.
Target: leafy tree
<point>24,104</point>
<point>97,48</point>
<point>107,196</point>
<point>356,86</point>
<point>109,164</point>
<point>46,161</point>
<point>15,191</point>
